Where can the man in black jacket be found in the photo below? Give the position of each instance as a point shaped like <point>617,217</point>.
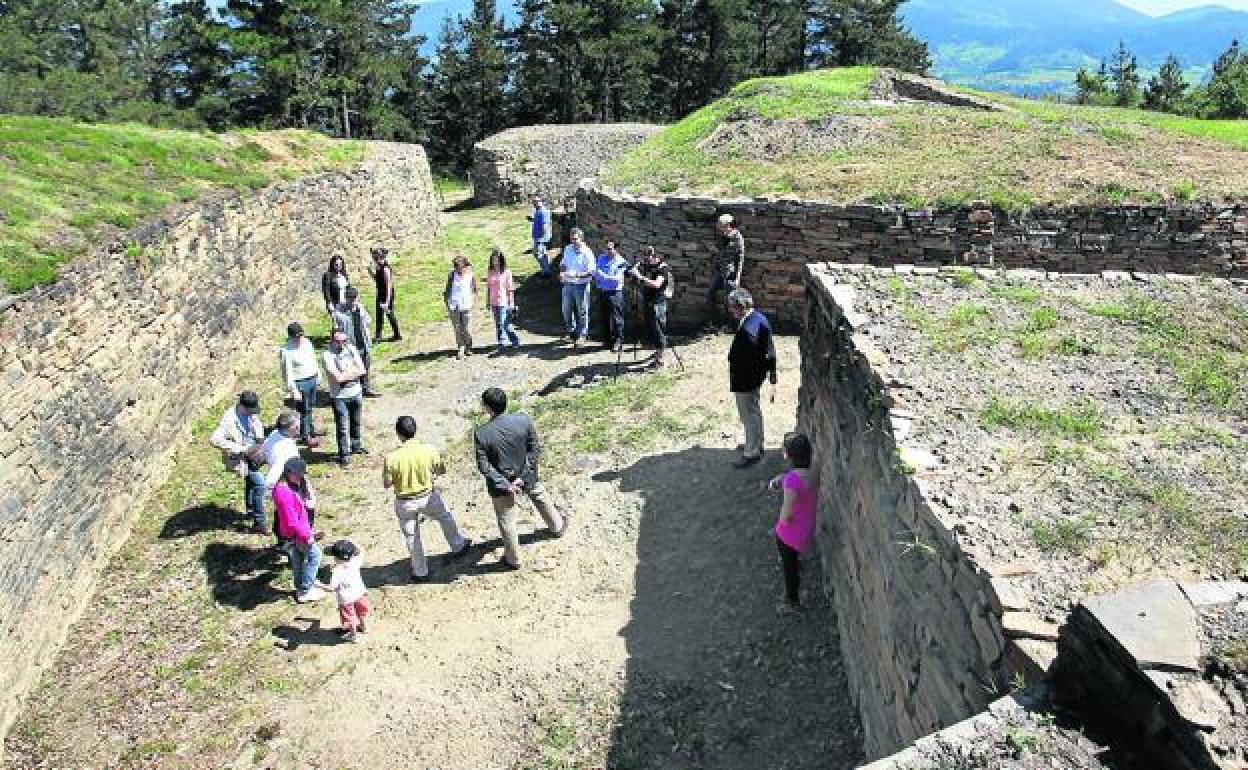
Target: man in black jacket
<point>751,360</point>
<point>508,450</point>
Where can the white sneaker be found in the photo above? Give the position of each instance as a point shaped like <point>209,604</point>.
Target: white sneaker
<point>311,595</point>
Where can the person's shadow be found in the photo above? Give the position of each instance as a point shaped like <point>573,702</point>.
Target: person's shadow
<point>291,637</point>
<point>242,576</point>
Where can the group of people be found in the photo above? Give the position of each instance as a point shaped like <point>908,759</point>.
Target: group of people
<point>507,448</point>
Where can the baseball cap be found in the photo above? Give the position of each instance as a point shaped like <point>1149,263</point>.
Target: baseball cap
<point>249,400</point>
<point>295,329</point>
<point>295,465</point>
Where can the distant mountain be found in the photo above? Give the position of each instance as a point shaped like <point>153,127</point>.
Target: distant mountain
<point>1034,46</point>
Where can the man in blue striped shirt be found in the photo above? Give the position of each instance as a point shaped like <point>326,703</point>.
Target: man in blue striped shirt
<point>609,281</point>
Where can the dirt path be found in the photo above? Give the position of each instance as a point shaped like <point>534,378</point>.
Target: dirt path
<point>647,638</point>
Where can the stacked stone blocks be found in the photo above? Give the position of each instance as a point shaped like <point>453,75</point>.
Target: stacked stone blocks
<point>105,369</point>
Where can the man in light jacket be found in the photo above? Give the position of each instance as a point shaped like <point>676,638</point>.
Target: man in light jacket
<point>346,372</point>
<point>240,437</point>
<point>353,319</point>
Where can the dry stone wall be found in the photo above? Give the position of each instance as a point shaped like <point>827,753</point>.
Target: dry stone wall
<point>549,160</point>
<point>783,236</point>
<point>919,619</point>
<point>104,370</point>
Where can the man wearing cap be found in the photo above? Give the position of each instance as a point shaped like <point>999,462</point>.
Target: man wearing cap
<point>383,279</point>
<point>301,375</point>
<point>353,319</point>
<point>541,234</point>
<point>294,529</point>
<point>346,372</point>
<point>239,436</point>
<point>728,266</point>
<point>409,471</point>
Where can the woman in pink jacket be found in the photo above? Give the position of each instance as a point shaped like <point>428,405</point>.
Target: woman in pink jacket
<point>291,498</point>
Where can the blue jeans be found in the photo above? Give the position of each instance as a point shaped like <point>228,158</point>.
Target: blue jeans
<point>307,389</point>
<point>503,328</point>
<point>539,251</point>
<point>305,560</point>
<point>253,495</point>
<point>576,309</point>
<point>347,424</point>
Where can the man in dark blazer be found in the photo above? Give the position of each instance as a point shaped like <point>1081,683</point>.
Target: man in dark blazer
<point>751,360</point>
<point>508,450</point>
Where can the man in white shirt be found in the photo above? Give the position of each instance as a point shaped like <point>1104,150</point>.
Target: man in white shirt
<point>346,372</point>
<point>301,375</point>
<point>575,272</point>
<point>279,446</point>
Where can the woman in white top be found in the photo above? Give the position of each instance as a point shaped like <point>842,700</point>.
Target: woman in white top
<point>461,291</point>
<point>300,375</point>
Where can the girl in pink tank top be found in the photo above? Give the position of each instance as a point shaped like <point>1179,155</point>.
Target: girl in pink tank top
<point>795,528</point>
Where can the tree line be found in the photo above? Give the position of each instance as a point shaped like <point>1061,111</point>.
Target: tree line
<point>353,67</point>
<point>1118,82</point>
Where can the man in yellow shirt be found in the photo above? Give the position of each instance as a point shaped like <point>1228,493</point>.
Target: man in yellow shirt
<point>409,471</point>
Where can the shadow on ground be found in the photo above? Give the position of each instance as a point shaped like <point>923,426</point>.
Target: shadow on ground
<point>242,576</point>
<point>717,676</point>
<point>202,518</point>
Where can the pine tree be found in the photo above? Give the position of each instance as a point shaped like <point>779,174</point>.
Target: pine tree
<point>1227,92</point>
<point>468,85</point>
<point>1092,87</point>
<point>197,60</point>
<point>1166,89</point>
<point>1124,74</point>
<point>843,33</point>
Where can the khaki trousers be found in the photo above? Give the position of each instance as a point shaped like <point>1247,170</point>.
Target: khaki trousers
<point>409,512</point>
<point>461,322</point>
<point>505,510</point>
<point>750,409</point>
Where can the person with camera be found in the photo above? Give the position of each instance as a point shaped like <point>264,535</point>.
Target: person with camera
<point>751,360</point>
<point>575,272</point>
<point>609,282</point>
<point>240,436</point>
<point>508,449</point>
<point>657,288</point>
<point>727,269</point>
<point>346,373</point>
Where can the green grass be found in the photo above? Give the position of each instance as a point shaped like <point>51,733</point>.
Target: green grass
<point>63,183</point>
<point>1033,153</point>
<point>966,326</point>
<point>1083,422</point>
<point>628,413</point>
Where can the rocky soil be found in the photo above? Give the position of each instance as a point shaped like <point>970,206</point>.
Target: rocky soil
<point>1089,432</point>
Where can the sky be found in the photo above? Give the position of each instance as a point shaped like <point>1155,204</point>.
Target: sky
<point>1159,7</point>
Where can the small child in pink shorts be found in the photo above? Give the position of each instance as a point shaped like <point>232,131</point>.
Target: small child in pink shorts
<point>348,585</point>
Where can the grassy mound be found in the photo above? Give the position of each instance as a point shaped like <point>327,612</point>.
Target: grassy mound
<point>1032,153</point>
<point>64,185</point>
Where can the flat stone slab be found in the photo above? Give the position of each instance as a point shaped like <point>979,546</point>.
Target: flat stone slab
<point>1154,622</point>
<point>1026,625</point>
<point>1215,593</point>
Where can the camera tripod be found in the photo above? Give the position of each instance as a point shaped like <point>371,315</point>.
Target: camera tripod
<point>635,298</point>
